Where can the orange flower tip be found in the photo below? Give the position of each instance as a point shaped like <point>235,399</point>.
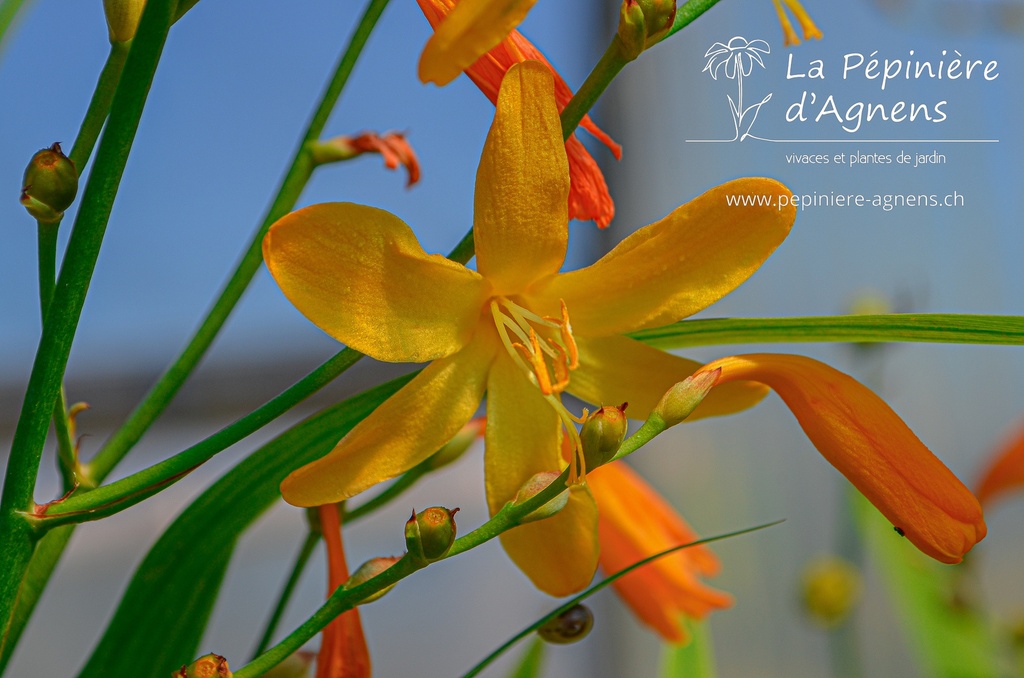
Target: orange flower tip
<point>429,534</point>
<point>602,435</point>
<point>682,399</point>
<point>392,147</point>
<point>532,487</point>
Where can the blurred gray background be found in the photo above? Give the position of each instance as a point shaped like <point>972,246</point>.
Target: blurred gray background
<point>236,84</point>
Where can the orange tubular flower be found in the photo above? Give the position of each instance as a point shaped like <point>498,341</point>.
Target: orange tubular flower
<point>589,198</point>
<point>1006,470</point>
<point>869,444</point>
<point>343,650</point>
<point>634,523</point>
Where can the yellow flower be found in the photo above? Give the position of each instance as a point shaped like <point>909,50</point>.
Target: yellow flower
<point>517,329</point>
<point>471,30</point>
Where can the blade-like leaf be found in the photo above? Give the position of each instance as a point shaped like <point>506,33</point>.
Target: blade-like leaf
<point>696,659</point>
<point>529,665</point>
<point>161,618</point>
<point>951,328</point>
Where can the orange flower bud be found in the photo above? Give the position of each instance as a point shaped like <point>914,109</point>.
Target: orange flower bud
<point>602,434</point>
<point>429,534</point>
<point>207,666</point>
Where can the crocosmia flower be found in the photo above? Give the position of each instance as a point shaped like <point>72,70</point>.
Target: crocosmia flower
<point>516,328</point>
<point>588,192</point>
<point>1004,472</point>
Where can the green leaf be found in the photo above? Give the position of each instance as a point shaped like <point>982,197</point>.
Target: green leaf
<point>161,618</point>
<point>696,659</point>
<point>920,327</point>
<point>529,665</point>
<point>950,638</point>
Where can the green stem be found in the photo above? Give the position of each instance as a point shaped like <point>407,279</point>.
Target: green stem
<point>16,538</point>
<point>119,495</point>
<point>305,551</point>
<point>8,11</point>
<point>611,62</point>
<point>288,193</point>
<point>391,492</point>
<point>949,328</point>
<point>99,105</point>
<point>66,459</point>
<point>688,13</point>
<point>345,599</point>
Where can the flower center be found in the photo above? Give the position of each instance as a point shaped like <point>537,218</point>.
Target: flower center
<point>544,348</point>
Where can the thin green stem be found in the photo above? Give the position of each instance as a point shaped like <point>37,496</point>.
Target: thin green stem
<point>688,13</point>
<point>288,193</point>
<point>117,496</point>
<point>899,327</point>
<point>347,598</point>
<point>99,105</point>
<point>66,459</point>
<point>16,537</point>
<point>611,62</point>
<point>301,560</point>
<point>391,492</point>
<point>8,11</point>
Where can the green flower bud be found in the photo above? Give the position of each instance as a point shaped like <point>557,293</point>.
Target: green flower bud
<point>429,534</point>
<point>207,666</point>
<point>642,23</point>
<point>531,488</point>
<point>50,184</point>
<point>123,18</point>
<point>572,625</point>
<point>602,435</point>
<point>831,588</point>
<point>682,399</point>
<point>367,571</point>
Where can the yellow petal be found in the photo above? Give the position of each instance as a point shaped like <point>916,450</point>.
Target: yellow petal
<point>558,554</point>
<point>404,430</point>
<point>614,370</point>
<point>869,444</point>
<point>522,186</point>
<point>677,266</point>
<point>472,28</point>
<point>360,275</point>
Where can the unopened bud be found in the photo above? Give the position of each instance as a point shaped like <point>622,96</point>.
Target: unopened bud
<point>123,18</point>
<point>642,23</point>
<point>429,534</point>
<point>602,434</point>
<point>572,625</point>
<point>534,486</point>
<point>369,570</point>
<point>458,445</point>
<point>50,184</point>
<point>682,399</point>
<point>831,589</point>
<point>295,666</point>
<point>207,666</point>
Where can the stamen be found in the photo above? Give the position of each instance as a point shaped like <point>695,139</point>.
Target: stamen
<point>789,35</point>
<point>540,368</point>
<point>500,323</point>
